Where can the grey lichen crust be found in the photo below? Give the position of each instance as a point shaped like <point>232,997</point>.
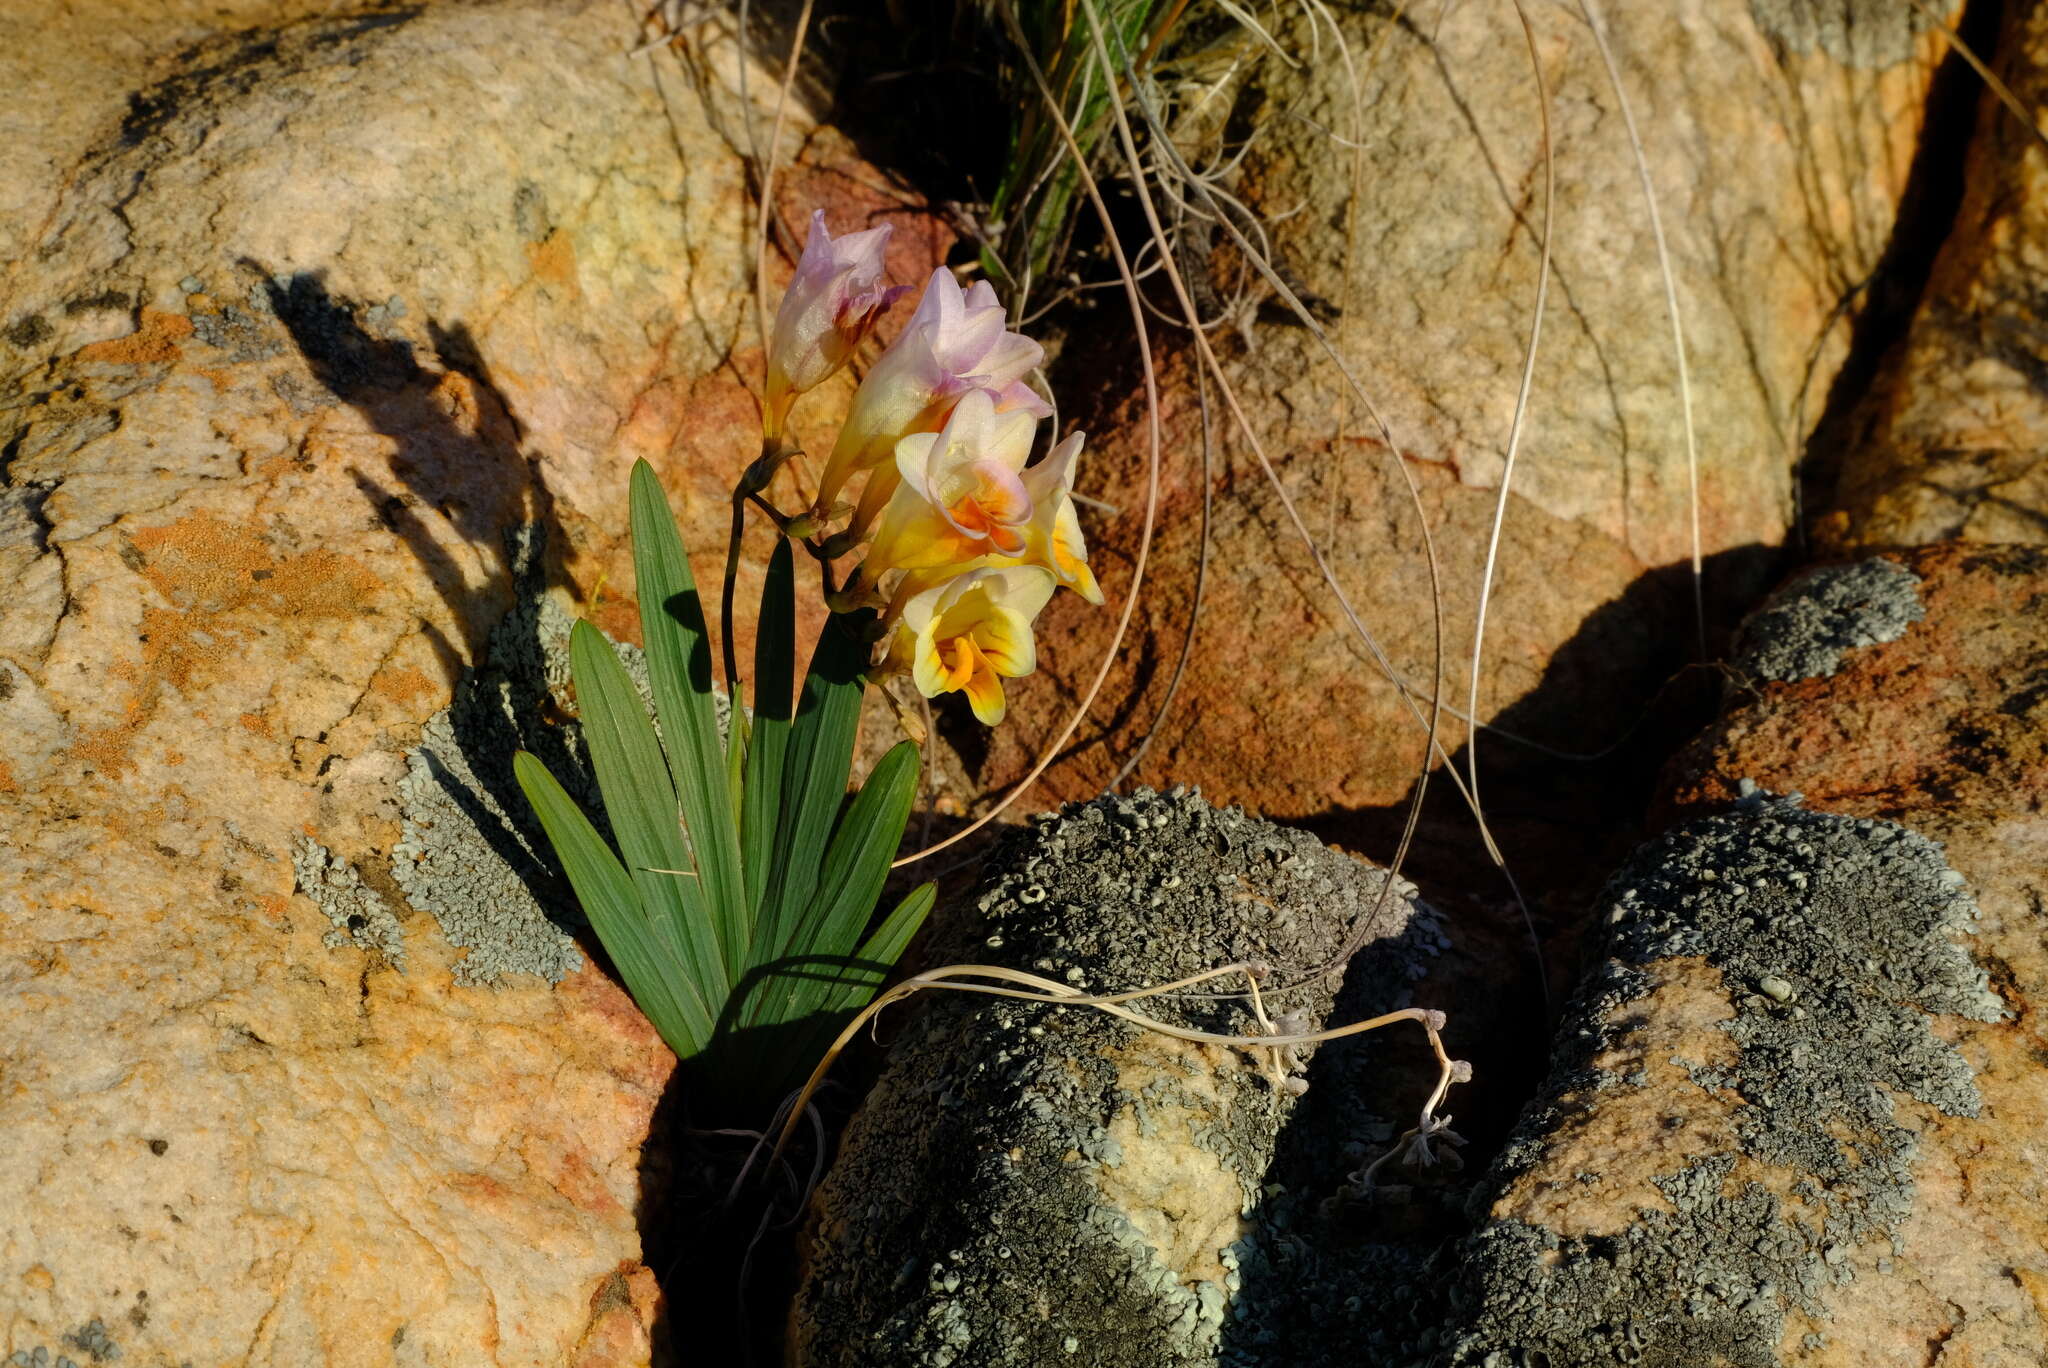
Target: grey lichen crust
<point>1872,34</point>
<point>360,915</point>
<point>470,852</point>
<point>90,1340</point>
<point>1834,937</point>
<point>1808,626</point>
<point>1033,1185</point>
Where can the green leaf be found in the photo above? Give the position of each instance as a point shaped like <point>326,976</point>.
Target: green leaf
<point>857,862</point>
<point>652,974</point>
<point>814,774</point>
<point>774,678</point>
<point>641,804</point>
<point>892,937</point>
<point>856,982</point>
<point>736,748</point>
<point>679,669</point>
<point>855,868</point>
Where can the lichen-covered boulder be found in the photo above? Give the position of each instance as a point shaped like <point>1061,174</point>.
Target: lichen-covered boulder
<point>1945,730</point>
<point>1035,1185</point>
<point>325,342</point>
<point>1797,1113</point>
<point>1728,1139</point>
<point>1807,627</point>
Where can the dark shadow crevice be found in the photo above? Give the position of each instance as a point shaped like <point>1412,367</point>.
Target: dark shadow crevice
<point>1883,306</point>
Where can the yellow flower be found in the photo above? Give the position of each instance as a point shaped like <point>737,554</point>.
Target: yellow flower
<point>971,633</point>
<point>930,547</point>
<point>961,496</point>
<point>1052,536</point>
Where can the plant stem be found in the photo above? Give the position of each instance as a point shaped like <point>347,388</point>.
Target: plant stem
<point>725,597</point>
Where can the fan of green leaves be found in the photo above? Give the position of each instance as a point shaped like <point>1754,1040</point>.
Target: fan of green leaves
<point>737,905</point>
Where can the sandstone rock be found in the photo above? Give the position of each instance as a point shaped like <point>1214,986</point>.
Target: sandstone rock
<point>1031,1185</point>
<point>1946,443</point>
<point>1779,149</point>
<point>314,329</point>
<point>1940,728</point>
<point>1791,1121</point>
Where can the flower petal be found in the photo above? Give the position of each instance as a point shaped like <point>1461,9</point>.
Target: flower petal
<point>1005,640</point>
<point>985,696</point>
<point>1070,554</point>
<point>927,670</point>
<point>983,495</point>
<point>831,302</point>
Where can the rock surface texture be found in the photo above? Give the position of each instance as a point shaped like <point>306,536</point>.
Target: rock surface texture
<point>1948,441</point>
<point>324,342</point>
<point>1779,150</point>
<point>1036,1185</point>
<point>1798,1115</point>
<point>1781,139</point>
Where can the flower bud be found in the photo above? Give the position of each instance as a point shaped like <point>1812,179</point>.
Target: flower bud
<point>832,303</point>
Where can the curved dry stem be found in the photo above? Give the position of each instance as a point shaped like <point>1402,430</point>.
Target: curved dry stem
<point>1037,988</point>
<point>1251,436</point>
<point>1187,641</point>
<point>1433,745</point>
<point>767,215</point>
<point>1692,456</point>
<point>1507,475</point>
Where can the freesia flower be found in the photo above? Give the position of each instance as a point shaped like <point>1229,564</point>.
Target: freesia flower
<point>1052,535</point>
<point>832,303</point>
<point>960,494</point>
<point>956,344</point>
<point>971,633</point>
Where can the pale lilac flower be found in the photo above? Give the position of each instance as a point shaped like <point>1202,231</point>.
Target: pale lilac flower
<point>956,344</point>
<point>832,303</point>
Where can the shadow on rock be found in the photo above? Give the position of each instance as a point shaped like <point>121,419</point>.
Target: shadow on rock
<point>716,1216</point>
<point>1565,814</point>
<point>458,446</point>
<point>470,852</point>
<point>1566,775</point>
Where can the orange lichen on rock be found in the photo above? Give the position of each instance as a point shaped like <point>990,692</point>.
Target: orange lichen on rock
<point>106,748</point>
<point>204,563</point>
<point>155,342</point>
<point>223,585</point>
<point>554,259</point>
<point>403,685</point>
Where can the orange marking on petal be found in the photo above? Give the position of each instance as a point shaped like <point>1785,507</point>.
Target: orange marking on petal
<point>963,664</point>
